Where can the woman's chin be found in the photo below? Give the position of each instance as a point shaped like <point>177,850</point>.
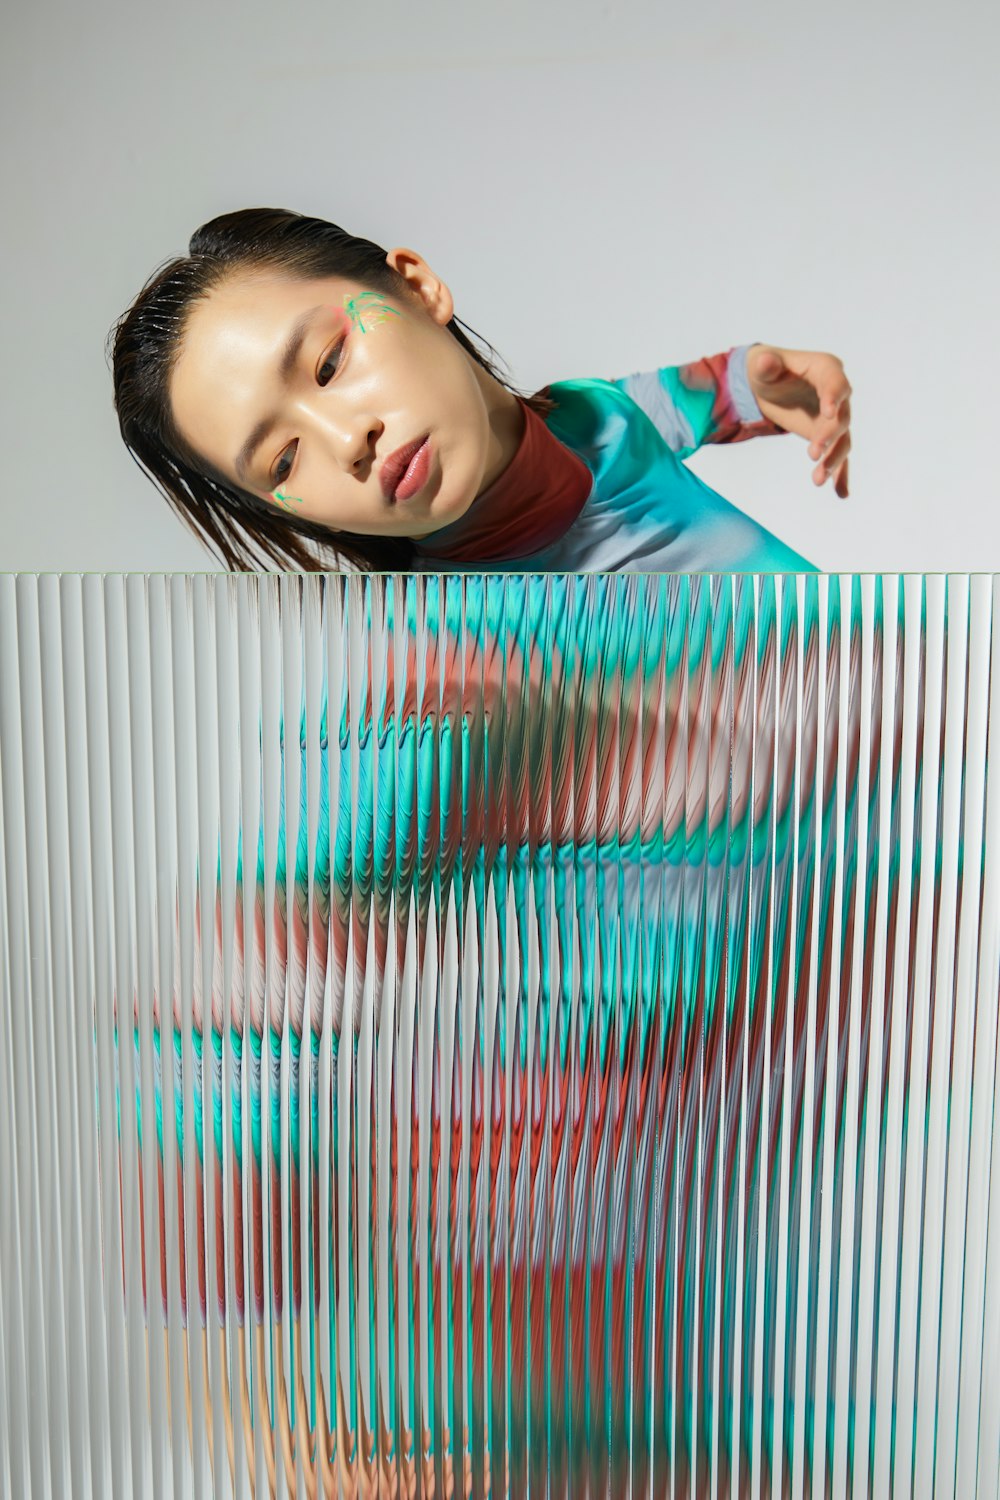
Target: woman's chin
<point>445,512</point>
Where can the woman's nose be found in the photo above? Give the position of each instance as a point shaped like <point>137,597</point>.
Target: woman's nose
<point>350,439</point>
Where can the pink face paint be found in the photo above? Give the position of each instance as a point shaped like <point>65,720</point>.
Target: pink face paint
<point>343,318</point>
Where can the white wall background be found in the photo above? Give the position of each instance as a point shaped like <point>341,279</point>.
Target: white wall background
<point>605,186</point>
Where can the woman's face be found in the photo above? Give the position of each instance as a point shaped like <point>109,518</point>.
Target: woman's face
<point>299,391</point>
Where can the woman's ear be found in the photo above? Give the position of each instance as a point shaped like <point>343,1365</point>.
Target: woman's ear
<point>422,283</point>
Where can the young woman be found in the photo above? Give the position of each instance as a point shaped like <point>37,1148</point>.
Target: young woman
<point>305,398</point>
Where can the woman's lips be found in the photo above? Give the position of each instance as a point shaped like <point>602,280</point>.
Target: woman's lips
<point>416,473</point>
<point>395,470</point>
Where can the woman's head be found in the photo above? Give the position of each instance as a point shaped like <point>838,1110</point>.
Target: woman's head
<point>264,380</point>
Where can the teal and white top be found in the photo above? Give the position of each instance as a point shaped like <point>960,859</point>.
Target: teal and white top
<point>599,484</point>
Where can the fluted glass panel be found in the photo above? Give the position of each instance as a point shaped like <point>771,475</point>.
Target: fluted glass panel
<point>499,1035</point>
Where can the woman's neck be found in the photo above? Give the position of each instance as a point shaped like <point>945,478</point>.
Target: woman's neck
<point>539,488</point>
<point>506,418</point>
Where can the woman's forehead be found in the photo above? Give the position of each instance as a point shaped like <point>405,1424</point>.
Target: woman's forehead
<point>264,293</point>
<point>251,319</point>
<point>231,343</point>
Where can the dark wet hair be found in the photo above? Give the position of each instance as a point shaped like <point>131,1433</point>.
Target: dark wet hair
<point>144,344</point>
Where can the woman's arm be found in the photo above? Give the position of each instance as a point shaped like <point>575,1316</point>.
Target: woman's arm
<point>752,390</point>
<point>707,401</point>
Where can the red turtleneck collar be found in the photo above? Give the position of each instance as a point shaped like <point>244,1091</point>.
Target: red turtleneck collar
<point>529,506</point>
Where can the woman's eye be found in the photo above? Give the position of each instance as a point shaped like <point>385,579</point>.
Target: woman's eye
<point>283,469</point>
<point>334,353</point>
<point>331,364</point>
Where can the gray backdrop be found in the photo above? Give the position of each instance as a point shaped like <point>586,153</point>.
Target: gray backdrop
<point>606,187</point>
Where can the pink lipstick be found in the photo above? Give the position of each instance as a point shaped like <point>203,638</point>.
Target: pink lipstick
<point>405,472</point>
<point>416,474</point>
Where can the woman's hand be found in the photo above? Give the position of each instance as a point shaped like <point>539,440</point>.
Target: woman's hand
<point>808,393</point>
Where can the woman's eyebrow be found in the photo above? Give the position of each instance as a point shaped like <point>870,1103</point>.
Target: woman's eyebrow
<point>292,349</point>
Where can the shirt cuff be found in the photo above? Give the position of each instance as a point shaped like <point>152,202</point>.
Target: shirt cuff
<point>744,402</point>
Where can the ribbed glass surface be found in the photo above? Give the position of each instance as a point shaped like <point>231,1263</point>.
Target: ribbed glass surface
<point>528,1035</point>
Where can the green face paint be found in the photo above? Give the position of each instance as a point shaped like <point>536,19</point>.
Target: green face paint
<point>370,308</point>
<point>285,502</point>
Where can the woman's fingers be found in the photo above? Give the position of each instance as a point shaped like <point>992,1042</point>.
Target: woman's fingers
<point>836,389</point>
<point>833,458</point>
<point>840,481</point>
<point>832,429</point>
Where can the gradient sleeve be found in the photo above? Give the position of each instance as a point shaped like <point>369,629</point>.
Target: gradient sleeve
<point>708,401</point>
